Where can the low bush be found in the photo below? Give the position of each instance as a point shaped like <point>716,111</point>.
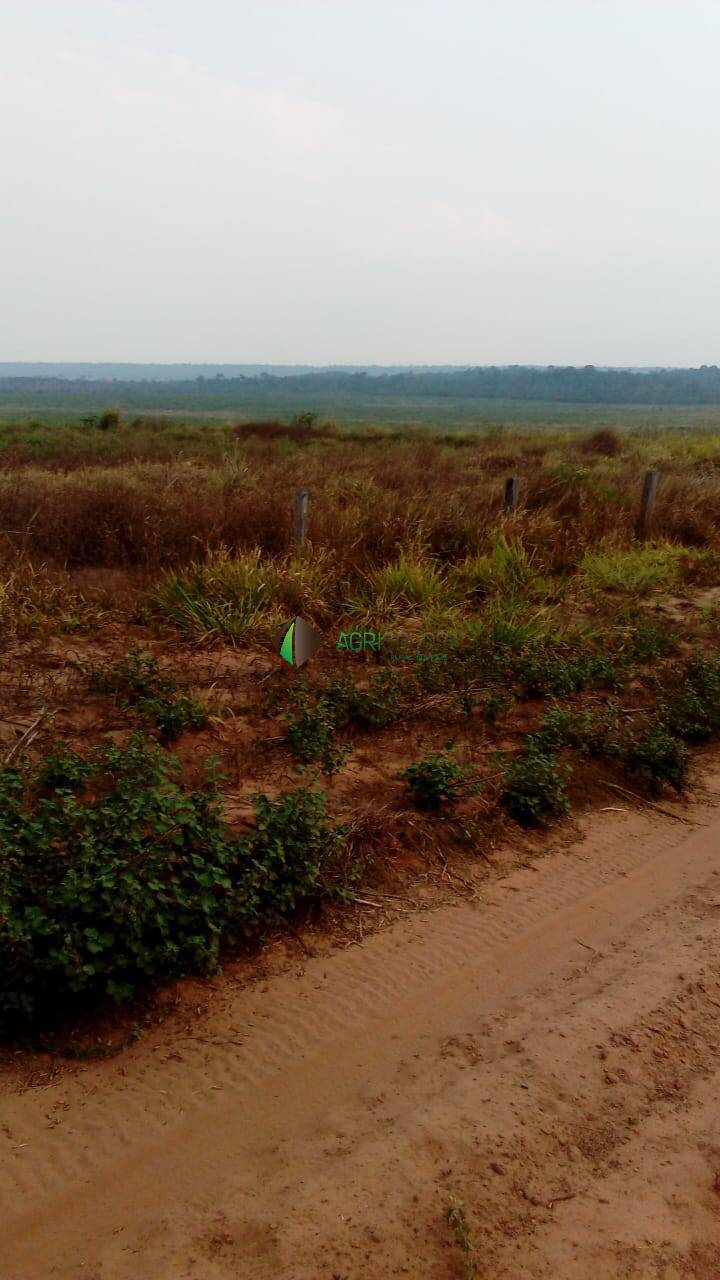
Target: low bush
<point>534,786</point>
<point>310,734</point>
<point>689,700</point>
<point>437,780</point>
<point>657,758</point>
<point>137,682</point>
<point>289,858</point>
<point>104,890</point>
<point>113,877</point>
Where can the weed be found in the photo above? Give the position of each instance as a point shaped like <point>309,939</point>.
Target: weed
<point>633,572</point>
<point>689,700</point>
<point>604,442</point>
<point>534,786</point>
<point>409,584</point>
<point>657,757</point>
<point>112,876</point>
<point>139,684</point>
<point>458,1223</point>
<point>437,780</point>
<point>226,597</point>
<point>504,570</point>
<point>310,734</point>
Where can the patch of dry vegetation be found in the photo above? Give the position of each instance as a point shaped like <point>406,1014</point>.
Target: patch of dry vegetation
<point>509,640</point>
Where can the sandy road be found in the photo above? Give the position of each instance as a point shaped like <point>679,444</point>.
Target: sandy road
<point>549,1054</point>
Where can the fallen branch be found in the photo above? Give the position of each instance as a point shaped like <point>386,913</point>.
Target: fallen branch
<point>26,737</point>
<point>668,813</point>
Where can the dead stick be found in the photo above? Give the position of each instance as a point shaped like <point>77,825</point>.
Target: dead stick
<point>26,736</point>
<point>658,808</point>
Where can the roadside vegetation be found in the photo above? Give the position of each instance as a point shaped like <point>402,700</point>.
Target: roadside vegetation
<point>171,791</point>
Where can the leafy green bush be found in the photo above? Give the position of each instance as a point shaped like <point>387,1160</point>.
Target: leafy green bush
<point>139,684</point>
<point>437,780</point>
<point>658,758</point>
<point>589,730</point>
<point>287,859</point>
<point>310,734</point>
<point>113,877</point>
<point>689,701</point>
<point>534,786</point>
<point>651,642</point>
<point>99,895</point>
<point>548,673</point>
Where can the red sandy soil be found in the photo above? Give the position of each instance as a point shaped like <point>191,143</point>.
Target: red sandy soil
<point>547,1051</point>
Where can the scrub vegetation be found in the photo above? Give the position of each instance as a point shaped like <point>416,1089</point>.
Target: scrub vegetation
<point>172,791</point>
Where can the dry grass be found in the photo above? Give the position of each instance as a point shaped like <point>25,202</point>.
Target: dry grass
<point>369,500</point>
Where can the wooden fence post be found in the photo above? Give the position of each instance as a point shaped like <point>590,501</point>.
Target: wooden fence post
<point>512,493</point>
<point>300,518</point>
<point>647,503</point>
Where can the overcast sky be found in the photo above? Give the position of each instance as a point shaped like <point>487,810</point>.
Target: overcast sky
<point>458,181</point>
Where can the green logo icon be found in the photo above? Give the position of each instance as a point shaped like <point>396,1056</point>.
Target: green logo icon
<point>296,641</point>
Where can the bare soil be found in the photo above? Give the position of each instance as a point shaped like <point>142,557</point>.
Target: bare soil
<point>547,1051</point>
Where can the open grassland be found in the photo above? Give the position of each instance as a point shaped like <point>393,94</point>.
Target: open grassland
<point>173,792</point>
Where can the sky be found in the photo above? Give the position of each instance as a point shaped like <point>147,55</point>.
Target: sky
<point>385,181</point>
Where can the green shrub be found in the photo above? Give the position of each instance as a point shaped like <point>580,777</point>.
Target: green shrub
<point>101,895</point>
<point>310,734</point>
<point>437,780</point>
<point>591,731</point>
<point>689,701</point>
<point>288,859</point>
<point>534,786</point>
<point>139,684</point>
<point>658,758</point>
<point>113,877</point>
<point>549,673</point>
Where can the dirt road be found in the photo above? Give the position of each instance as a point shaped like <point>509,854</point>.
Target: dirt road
<point>548,1054</point>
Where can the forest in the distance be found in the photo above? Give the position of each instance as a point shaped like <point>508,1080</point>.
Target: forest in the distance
<point>216,391</point>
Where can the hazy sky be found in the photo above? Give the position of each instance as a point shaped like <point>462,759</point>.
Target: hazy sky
<point>460,181</point>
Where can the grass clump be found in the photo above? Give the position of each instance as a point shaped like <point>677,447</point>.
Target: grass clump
<point>139,684</point>
<point>34,601</point>
<point>504,570</point>
<point>437,780</point>
<point>411,584</point>
<point>534,786</point>
<point>226,597</point>
<point>637,571</point>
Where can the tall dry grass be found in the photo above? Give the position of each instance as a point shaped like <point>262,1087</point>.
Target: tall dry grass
<point>369,500</point>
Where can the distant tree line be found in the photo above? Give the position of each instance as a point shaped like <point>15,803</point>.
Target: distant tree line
<point>586,385</point>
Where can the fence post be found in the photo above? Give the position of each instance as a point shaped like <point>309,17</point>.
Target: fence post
<point>647,503</point>
<point>512,493</point>
<point>300,518</point>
